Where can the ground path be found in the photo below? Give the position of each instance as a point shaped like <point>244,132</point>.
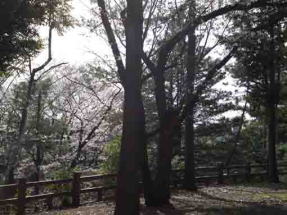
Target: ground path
<point>215,200</point>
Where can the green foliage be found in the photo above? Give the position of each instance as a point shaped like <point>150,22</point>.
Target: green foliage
<point>64,173</point>
<point>282,149</point>
<point>177,162</point>
<point>254,138</point>
<point>112,154</point>
<point>19,32</point>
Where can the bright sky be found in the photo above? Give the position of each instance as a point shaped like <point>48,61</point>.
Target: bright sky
<point>77,43</point>
<point>75,46</point>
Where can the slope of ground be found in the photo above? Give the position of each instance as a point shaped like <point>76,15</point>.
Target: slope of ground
<point>216,200</point>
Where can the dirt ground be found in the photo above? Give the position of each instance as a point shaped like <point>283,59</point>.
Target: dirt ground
<point>216,200</point>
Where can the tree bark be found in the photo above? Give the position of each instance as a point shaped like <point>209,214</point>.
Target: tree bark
<point>189,171</point>
<point>168,125</point>
<point>189,159</point>
<point>127,196</point>
<point>272,101</point>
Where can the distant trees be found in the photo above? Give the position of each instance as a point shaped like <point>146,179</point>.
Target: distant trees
<point>89,107</point>
<point>40,133</point>
<point>56,16</point>
<point>71,115</point>
<point>260,67</point>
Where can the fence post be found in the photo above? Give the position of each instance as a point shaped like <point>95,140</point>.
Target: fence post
<point>21,189</point>
<point>264,177</point>
<point>247,172</point>
<point>76,189</point>
<point>49,202</point>
<point>100,195</point>
<point>228,171</point>
<point>220,173</point>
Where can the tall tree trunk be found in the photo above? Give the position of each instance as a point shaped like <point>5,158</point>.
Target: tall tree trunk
<point>272,102</point>
<point>272,140</point>
<point>168,125</point>
<point>189,158</point>
<point>133,137</point>
<point>189,171</point>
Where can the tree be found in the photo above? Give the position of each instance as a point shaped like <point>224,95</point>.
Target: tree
<point>157,63</point>
<point>127,199</point>
<point>260,65</point>
<point>171,116</point>
<point>189,174</point>
<point>19,36</point>
<point>89,120</point>
<point>55,16</point>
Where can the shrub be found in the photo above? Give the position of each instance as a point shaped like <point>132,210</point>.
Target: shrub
<point>112,154</point>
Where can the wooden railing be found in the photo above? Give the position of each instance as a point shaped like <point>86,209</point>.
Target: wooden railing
<point>76,189</point>
<point>217,173</point>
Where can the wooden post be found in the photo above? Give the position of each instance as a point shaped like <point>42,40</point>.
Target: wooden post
<point>100,195</point>
<point>220,173</point>
<point>21,189</point>
<point>264,177</point>
<point>234,177</point>
<point>49,202</point>
<point>174,180</point>
<point>76,189</point>
<point>228,171</point>
<point>247,172</point>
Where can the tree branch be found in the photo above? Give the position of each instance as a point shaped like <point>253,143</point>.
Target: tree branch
<point>195,97</point>
<point>166,48</point>
<point>112,39</point>
<point>35,70</point>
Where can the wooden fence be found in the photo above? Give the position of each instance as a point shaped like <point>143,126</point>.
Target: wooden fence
<point>217,173</point>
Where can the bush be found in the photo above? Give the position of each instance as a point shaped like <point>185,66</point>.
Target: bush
<point>64,173</point>
<point>112,154</point>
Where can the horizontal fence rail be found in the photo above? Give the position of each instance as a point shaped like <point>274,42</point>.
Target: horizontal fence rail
<point>203,174</point>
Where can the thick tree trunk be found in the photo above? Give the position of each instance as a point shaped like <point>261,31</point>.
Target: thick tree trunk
<point>162,181</point>
<point>189,159</point>
<point>133,137</point>
<point>272,140</point>
<point>127,200</point>
<point>189,171</point>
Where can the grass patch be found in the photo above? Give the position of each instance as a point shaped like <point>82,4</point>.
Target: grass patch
<point>276,196</point>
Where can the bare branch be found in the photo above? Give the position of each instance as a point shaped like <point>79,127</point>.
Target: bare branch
<point>112,39</point>
<point>195,97</point>
<point>35,70</point>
